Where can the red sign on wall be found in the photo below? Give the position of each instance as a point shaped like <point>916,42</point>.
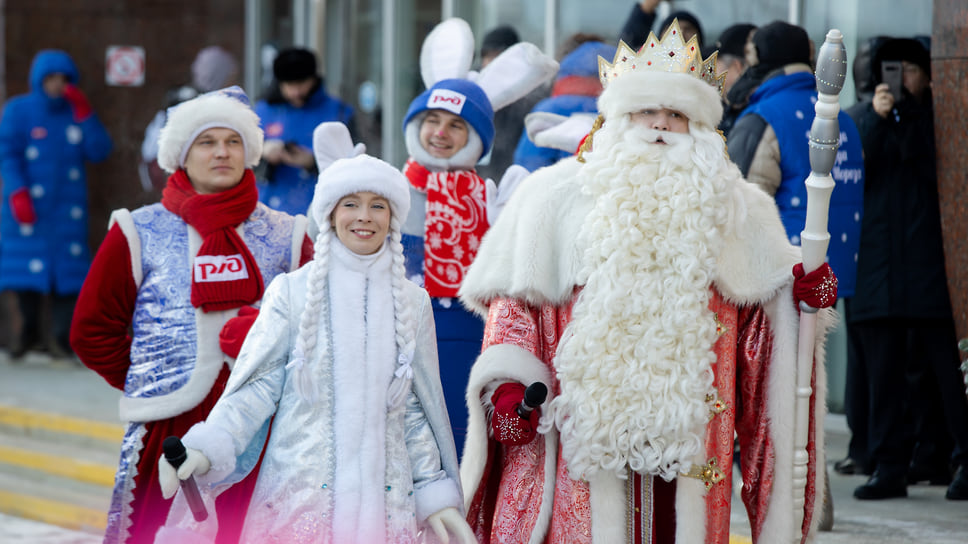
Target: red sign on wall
<point>125,66</point>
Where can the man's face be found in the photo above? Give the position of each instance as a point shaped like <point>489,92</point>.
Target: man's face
<point>914,79</point>
<point>216,160</point>
<point>297,92</point>
<point>54,85</point>
<point>442,134</point>
<point>662,119</point>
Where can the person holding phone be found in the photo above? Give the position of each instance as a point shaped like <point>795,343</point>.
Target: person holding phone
<point>900,317</point>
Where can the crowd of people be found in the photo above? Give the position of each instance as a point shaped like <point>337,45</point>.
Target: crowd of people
<point>348,349</point>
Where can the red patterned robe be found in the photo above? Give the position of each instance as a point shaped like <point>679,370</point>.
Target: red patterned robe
<point>527,288</point>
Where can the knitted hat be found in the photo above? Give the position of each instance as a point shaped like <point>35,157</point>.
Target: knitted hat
<point>213,68</point>
<point>780,43</point>
<point>499,39</point>
<point>357,174</point>
<point>733,40</point>
<point>460,97</point>
<point>225,108</point>
<point>294,64</point>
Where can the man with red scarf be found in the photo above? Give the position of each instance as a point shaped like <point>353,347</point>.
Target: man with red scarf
<point>171,294</point>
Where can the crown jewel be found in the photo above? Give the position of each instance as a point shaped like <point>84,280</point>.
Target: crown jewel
<point>670,54</point>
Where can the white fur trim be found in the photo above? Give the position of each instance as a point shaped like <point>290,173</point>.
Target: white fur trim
<point>217,445</point>
<point>122,217</point>
<point>691,509</point>
<point>182,536</point>
<point>542,267</point>
<point>637,90</point>
<point>464,159</point>
<point>606,495</point>
<point>188,119</point>
<point>434,497</point>
<point>497,364</point>
<point>360,173</point>
<point>299,226</point>
<point>208,363</point>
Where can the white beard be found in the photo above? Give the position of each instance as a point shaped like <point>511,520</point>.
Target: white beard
<point>635,362</point>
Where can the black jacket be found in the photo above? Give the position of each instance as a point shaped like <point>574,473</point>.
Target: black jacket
<point>900,268</point>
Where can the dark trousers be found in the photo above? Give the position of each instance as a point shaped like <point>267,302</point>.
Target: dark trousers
<point>35,307</point>
<point>909,362</point>
<point>856,398</point>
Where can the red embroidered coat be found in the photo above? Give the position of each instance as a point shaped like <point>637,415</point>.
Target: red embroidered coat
<point>525,282</point>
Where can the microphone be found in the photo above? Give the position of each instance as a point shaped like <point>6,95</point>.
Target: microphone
<point>175,454</point>
<point>534,396</point>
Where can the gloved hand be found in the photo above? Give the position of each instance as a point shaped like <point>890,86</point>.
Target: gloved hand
<point>79,103</point>
<point>509,428</point>
<point>817,289</point>
<point>233,333</point>
<point>450,520</point>
<point>22,207</point>
<point>195,463</point>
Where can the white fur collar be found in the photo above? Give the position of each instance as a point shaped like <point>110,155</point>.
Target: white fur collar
<point>530,252</point>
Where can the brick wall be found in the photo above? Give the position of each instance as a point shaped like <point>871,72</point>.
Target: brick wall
<point>170,31</point>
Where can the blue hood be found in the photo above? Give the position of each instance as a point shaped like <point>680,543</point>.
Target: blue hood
<point>51,61</point>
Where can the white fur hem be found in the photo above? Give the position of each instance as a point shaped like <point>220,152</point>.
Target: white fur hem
<point>434,497</point>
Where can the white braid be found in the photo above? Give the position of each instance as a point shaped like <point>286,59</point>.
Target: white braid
<point>317,301</point>
<point>403,319</point>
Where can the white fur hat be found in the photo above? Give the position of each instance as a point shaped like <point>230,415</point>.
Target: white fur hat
<point>636,91</point>
<point>353,175</point>
<point>225,108</point>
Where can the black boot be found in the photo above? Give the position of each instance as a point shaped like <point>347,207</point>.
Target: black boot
<point>958,490</point>
<point>885,483</point>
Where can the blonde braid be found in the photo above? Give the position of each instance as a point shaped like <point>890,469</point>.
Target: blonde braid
<point>317,300</point>
<point>403,319</point>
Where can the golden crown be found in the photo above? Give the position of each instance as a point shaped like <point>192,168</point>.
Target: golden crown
<point>670,54</point>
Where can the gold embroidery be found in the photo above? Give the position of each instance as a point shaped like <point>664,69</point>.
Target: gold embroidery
<point>708,473</point>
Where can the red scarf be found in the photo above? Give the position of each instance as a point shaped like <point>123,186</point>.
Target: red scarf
<point>455,222</point>
<point>225,275</point>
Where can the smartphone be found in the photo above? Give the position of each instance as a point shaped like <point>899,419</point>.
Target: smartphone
<point>891,72</point>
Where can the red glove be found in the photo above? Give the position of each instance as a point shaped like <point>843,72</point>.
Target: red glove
<point>233,332</point>
<point>79,103</point>
<point>509,428</point>
<point>22,207</point>
<point>818,288</point>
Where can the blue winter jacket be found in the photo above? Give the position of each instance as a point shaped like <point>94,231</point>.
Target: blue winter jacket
<point>786,103</point>
<point>286,188</point>
<point>44,150</point>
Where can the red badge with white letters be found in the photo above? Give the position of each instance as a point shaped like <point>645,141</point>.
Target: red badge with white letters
<point>210,268</point>
<point>38,133</point>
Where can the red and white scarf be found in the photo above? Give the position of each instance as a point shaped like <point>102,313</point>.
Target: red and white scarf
<point>225,275</point>
<point>455,222</point>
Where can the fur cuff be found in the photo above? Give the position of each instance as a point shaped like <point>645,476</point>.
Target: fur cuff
<point>217,445</point>
<point>435,496</point>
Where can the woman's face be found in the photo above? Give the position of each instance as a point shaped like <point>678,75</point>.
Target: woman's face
<point>216,160</point>
<point>442,133</point>
<point>362,221</point>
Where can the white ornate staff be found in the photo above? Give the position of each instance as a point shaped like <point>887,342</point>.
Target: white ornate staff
<point>824,141</point>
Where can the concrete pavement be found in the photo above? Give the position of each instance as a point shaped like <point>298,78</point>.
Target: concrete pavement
<point>61,396</point>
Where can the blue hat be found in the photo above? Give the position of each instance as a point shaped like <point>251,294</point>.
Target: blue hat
<point>460,97</point>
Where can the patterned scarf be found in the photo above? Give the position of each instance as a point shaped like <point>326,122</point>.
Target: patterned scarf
<point>225,275</point>
<point>454,224</point>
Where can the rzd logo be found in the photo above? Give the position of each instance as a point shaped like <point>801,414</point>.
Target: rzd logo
<point>220,268</point>
<point>447,100</point>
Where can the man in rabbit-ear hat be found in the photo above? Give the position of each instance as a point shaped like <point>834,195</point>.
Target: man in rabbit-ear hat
<point>652,289</point>
<point>448,129</point>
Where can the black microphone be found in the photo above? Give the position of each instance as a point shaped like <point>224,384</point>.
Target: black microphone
<point>534,396</point>
<point>175,454</point>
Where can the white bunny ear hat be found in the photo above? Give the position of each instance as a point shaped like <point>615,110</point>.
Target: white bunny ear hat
<point>445,62</point>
